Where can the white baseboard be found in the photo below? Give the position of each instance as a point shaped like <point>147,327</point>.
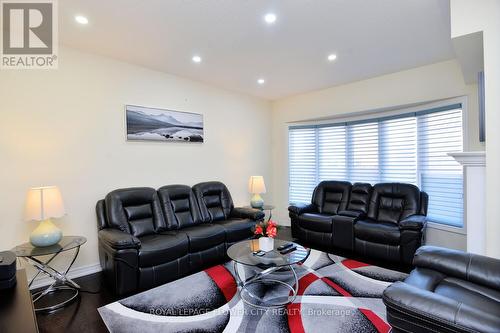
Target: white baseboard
<point>72,274</point>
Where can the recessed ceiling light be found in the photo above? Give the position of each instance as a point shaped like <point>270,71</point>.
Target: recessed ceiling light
<point>270,18</point>
<point>332,57</point>
<point>196,59</point>
<point>81,19</point>
<point>261,81</point>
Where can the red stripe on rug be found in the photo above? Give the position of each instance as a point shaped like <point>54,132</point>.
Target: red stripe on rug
<point>335,286</point>
<point>295,318</point>
<point>224,280</point>
<point>379,323</point>
<point>305,282</point>
<point>352,264</point>
<point>309,278</point>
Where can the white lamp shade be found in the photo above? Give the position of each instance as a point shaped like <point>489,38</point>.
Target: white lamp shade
<point>44,203</point>
<point>256,184</point>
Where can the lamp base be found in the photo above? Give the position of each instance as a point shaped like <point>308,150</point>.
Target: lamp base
<point>46,234</point>
<point>257,201</point>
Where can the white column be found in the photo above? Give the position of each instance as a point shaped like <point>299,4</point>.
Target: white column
<point>475,199</point>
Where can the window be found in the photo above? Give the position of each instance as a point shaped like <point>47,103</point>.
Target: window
<point>409,148</point>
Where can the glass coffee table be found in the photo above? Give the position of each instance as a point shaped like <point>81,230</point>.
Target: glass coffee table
<point>264,266</point>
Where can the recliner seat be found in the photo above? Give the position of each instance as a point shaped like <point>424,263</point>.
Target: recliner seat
<point>314,222</point>
<point>206,241</point>
<point>391,229</point>
<point>216,206</point>
<point>149,237</point>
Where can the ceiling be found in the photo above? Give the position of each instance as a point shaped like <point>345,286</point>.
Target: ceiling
<point>370,38</point>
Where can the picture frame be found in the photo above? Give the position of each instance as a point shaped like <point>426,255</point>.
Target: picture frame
<point>164,125</point>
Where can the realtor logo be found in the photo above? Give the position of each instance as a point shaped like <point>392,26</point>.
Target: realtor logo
<point>29,34</point>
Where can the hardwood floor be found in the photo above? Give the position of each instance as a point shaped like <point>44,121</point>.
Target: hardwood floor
<point>82,316</point>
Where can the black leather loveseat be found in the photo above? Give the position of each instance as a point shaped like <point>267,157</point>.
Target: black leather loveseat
<point>149,237</point>
<point>448,291</point>
<point>385,221</point>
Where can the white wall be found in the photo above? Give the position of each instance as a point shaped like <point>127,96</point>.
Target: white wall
<point>65,127</point>
<point>428,83</point>
<point>468,16</point>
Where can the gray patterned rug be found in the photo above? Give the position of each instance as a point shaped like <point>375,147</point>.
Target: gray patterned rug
<point>335,295</point>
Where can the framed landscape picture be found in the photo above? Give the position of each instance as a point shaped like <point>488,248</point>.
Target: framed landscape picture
<point>151,124</point>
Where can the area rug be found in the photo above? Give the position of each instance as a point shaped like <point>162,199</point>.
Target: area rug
<point>335,294</point>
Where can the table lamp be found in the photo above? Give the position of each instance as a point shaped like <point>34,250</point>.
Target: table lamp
<point>256,186</point>
<point>43,204</point>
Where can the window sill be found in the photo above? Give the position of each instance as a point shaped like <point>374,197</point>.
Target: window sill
<point>447,228</point>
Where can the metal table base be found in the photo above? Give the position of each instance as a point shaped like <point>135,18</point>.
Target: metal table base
<point>61,282</point>
<point>262,278</point>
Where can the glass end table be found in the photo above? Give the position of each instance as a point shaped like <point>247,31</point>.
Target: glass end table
<point>264,208</point>
<point>61,281</point>
<point>273,261</point>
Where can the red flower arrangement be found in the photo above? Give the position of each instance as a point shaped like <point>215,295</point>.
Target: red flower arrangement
<point>268,229</point>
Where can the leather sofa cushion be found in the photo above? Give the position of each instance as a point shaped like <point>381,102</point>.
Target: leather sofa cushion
<point>331,196</point>
<point>377,232</point>
<point>237,229</point>
<point>424,278</point>
<point>360,197</point>
<point>135,210</point>
<point>465,292</point>
<point>392,202</point>
<point>214,200</point>
<point>462,291</point>
<point>204,236</point>
<point>161,248</point>
<point>425,311</point>
<point>377,250</point>
<point>180,206</point>
<point>316,222</point>
<point>466,266</point>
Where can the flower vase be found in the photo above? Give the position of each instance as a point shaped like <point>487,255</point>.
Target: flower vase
<point>266,244</point>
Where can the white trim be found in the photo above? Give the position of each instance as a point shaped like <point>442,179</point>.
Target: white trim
<point>470,158</point>
<point>448,228</point>
<point>72,274</point>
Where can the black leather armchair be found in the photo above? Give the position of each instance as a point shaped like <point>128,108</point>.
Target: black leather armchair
<point>148,237</point>
<point>448,291</point>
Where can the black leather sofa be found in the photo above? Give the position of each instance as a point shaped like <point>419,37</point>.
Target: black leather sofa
<point>448,291</point>
<point>385,221</point>
<point>149,237</point>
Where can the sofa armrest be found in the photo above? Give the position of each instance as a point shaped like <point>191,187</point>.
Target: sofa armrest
<point>421,304</point>
<point>352,213</point>
<point>463,265</point>
<point>118,239</point>
<point>413,222</point>
<point>302,208</point>
<point>248,213</point>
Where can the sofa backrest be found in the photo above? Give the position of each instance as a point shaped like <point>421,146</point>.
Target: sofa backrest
<point>359,199</point>
<point>392,202</point>
<point>331,196</point>
<point>180,206</point>
<point>214,200</point>
<point>136,211</point>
